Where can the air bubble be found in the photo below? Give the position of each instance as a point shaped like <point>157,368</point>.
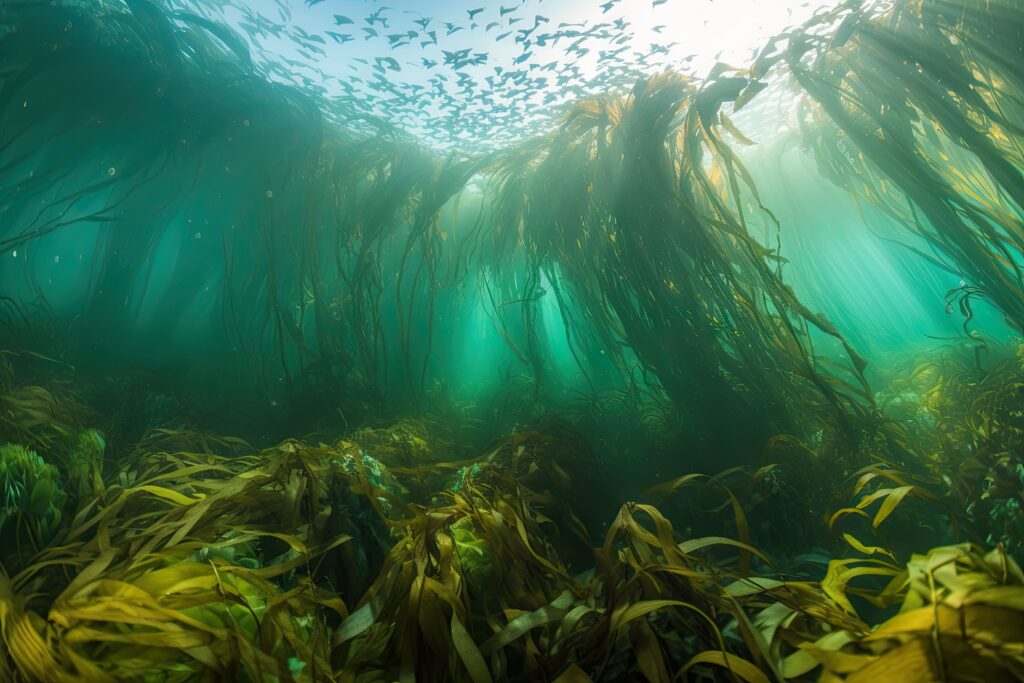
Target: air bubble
<point>111,171</point>
<point>270,194</point>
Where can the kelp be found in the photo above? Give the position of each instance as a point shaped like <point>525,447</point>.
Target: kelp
<point>957,618</point>
<point>633,209</point>
<point>290,296</point>
<point>394,535</point>
<point>196,591</point>
<point>199,557</point>
<point>330,266</point>
<point>42,412</point>
<point>967,419</point>
<point>913,107</point>
<point>151,594</point>
<point>644,185</point>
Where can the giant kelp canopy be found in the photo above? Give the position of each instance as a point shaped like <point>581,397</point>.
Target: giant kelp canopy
<point>315,259</point>
<point>328,244</point>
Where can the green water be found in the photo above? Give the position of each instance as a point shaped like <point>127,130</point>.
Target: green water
<point>278,221</point>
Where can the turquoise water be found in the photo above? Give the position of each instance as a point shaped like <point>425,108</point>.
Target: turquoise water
<point>571,341</point>
<point>173,206</point>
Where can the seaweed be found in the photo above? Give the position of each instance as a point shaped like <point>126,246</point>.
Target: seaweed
<point>679,469</point>
<point>345,303</point>
<point>915,112</point>
<point>629,208</point>
<point>201,557</point>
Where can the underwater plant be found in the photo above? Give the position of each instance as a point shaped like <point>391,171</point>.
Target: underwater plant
<point>647,177</point>
<point>678,469</point>
<point>249,565</point>
<point>33,499</point>
<point>84,464</point>
<point>629,208</point>
<point>912,107</point>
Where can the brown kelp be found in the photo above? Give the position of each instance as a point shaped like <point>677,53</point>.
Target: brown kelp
<point>968,419</point>
<point>318,562</point>
<point>634,210</point>
<point>678,469</point>
<point>653,183</point>
<point>911,106</point>
<point>320,290</point>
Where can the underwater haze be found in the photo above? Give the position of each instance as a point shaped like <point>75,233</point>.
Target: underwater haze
<point>381,340</point>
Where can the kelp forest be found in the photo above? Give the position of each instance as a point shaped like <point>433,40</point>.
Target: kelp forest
<point>709,375</point>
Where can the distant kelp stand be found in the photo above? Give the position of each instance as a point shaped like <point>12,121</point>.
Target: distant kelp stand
<point>146,140</point>
<point>918,107</point>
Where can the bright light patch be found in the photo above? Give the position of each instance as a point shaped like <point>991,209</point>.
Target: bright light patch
<point>490,79</point>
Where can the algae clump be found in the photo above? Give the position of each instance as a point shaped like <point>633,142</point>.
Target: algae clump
<point>33,495</point>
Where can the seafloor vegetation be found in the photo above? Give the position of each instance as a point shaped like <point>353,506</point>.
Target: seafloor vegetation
<point>729,492</point>
<point>387,553</point>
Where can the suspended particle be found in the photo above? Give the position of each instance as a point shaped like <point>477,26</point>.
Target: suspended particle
<point>56,259</point>
<point>14,253</point>
<point>270,194</point>
<point>199,235</point>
